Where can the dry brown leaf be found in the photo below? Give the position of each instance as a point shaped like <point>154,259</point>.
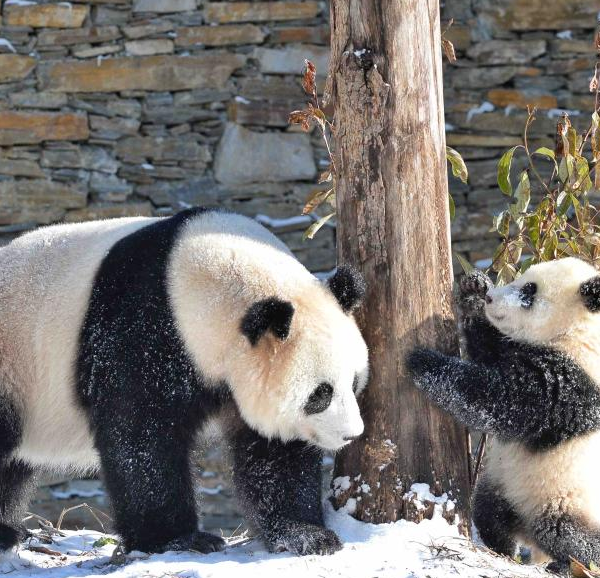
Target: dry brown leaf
<point>449,51</point>
<point>308,80</point>
<point>315,199</point>
<point>301,117</point>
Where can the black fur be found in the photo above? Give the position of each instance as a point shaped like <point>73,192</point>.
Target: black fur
<point>319,400</point>
<point>10,426</point>
<point>144,398</point>
<point>279,487</point>
<point>16,479</point>
<point>518,392</point>
<point>269,314</point>
<point>527,295</point>
<point>563,537</point>
<point>145,401</point>
<point>348,287</point>
<point>590,291</point>
<point>501,390</point>
<point>496,520</point>
<point>17,484</point>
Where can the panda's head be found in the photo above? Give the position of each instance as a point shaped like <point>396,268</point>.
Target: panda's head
<point>306,361</point>
<point>548,301</point>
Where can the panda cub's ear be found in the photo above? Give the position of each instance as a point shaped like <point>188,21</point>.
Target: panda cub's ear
<point>269,314</point>
<point>348,287</point>
<point>590,290</point>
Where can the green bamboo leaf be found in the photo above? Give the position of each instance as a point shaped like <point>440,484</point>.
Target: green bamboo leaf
<point>526,264</point>
<point>573,140</point>
<point>466,266</point>
<point>452,207</point>
<point>459,168</point>
<point>545,152</point>
<point>533,228</point>
<point>582,169</point>
<point>523,193</point>
<point>104,541</point>
<point>504,171</point>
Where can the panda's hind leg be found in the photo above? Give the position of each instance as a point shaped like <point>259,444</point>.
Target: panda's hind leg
<point>495,518</point>
<point>16,477</point>
<point>563,536</point>
<point>17,482</point>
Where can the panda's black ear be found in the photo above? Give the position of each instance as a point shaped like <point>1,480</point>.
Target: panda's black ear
<point>348,287</point>
<point>590,291</point>
<point>269,314</point>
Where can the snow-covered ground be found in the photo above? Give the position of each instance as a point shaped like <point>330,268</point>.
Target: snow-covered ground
<point>431,549</point>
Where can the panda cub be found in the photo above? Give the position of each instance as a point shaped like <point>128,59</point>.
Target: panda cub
<point>121,339</point>
<point>533,381</point>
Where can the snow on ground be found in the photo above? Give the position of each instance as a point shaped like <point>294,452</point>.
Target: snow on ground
<point>431,549</point>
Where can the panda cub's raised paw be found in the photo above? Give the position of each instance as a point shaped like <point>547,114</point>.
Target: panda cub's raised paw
<point>305,540</point>
<point>202,542</point>
<point>472,289</point>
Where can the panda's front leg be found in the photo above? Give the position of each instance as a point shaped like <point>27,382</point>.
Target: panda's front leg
<point>146,466</point>
<point>279,487</point>
<point>473,393</point>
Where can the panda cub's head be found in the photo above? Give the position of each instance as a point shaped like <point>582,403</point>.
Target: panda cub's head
<point>309,362</point>
<point>549,301</point>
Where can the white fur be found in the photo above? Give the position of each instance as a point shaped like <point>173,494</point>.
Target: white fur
<point>221,261</point>
<point>563,479</point>
<point>221,264</point>
<point>45,283</point>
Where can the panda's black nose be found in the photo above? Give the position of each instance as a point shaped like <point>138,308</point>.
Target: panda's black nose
<point>488,299</point>
<point>350,438</point>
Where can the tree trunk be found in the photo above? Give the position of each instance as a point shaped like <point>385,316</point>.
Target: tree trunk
<point>385,85</point>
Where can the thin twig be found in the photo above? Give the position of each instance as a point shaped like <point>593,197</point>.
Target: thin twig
<point>91,510</point>
<point>479,457</point>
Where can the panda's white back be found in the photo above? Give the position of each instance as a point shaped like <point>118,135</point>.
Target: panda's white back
<point>45,282</point>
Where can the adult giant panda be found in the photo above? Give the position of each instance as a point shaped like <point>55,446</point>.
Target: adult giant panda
<point>120,339</point>
<point>533,381</point>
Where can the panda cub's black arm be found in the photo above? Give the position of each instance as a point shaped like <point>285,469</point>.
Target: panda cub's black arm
<point>538,395</point>
<point>483,341</point>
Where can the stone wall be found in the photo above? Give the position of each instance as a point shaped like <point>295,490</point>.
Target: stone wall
<point>510,53</point>
<point>143,107</point>
<point>123,107</point>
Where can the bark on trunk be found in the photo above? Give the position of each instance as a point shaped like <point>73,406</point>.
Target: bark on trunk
<point>385,85</point>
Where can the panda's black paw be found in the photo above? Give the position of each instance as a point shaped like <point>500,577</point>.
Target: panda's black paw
<point>561,568</point>
<point>421,362</point>
<point>10,536</point>
<point>202,542</point>
<point>305,540</point>
<point>472,289</point>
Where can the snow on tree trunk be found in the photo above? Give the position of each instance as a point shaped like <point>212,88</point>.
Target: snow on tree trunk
<point>385,85</point>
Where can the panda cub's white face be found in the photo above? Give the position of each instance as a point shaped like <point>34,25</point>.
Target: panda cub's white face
<point>546,303</point>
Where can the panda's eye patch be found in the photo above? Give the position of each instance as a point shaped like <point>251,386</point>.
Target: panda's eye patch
<point>319,399</point>
<point>527,295</point>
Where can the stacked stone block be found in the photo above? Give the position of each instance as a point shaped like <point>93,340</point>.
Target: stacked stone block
<point>143,107</point>
<point>511,53</point>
